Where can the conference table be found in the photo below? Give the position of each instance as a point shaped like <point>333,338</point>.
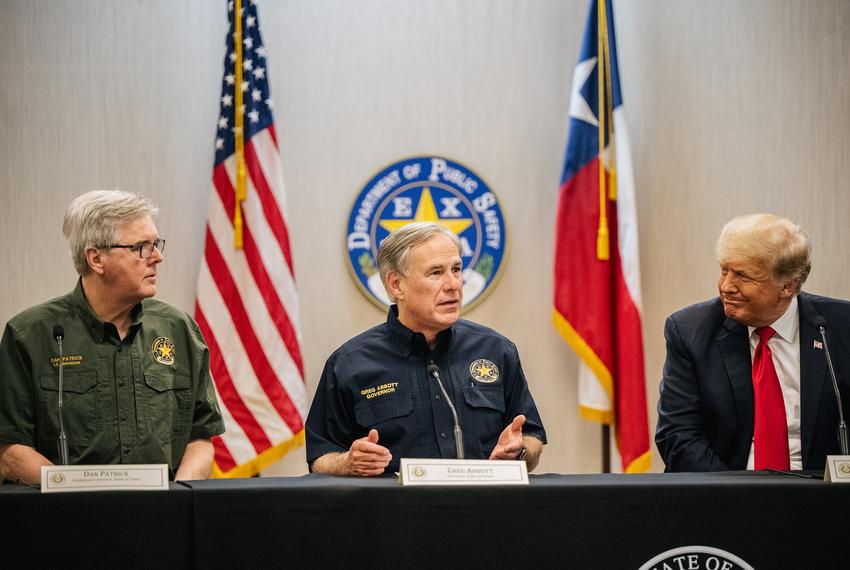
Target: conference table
<point>318,521</point>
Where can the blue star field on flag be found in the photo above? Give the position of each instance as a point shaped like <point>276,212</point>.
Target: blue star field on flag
<point>256,94</point>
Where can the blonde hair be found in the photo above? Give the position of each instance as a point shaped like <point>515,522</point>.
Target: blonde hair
<point>776,242</point>
<point>394,252</point>
<point>90,220</point>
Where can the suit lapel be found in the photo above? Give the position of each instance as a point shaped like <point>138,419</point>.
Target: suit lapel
<point>812,374</point>
<point>735,351</point>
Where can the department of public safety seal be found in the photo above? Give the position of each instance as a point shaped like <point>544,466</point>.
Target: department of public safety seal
<point>433,189</point>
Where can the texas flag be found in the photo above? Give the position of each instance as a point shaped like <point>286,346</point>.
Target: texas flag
<point>597,306</point>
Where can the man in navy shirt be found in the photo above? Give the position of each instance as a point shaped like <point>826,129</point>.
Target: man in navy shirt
<point>376,402</point>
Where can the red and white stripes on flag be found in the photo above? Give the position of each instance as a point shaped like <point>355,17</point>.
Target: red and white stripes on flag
<point>247,305</point>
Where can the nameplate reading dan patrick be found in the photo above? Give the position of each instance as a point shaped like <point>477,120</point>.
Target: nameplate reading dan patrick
<point>70,478</point>
<point>462,472</point>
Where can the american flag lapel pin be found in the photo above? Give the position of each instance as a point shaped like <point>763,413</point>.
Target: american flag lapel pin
<point>818,344</point>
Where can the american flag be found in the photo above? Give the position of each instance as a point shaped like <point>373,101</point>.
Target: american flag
<point>247,305</point>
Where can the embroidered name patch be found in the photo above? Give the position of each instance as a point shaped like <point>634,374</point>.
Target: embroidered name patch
<point>67,360</point>
<point>379,390</point>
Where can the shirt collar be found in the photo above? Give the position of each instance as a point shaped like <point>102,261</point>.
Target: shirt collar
<point>788,324</point>
<point>96,327</point>
<point>410,341</point>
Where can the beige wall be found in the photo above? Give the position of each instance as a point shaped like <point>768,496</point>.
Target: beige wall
<point>733,108</point>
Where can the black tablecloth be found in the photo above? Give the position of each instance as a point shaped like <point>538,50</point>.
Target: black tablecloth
<point>565,521</point>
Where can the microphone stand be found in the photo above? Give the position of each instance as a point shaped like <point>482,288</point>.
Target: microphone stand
<point>842,426</point>
<point>63,438</point>
<point>435,372</point>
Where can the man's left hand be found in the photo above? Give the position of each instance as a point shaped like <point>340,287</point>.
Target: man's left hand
<point>510,440</point>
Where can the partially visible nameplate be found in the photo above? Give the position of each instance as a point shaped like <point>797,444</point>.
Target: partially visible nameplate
<point>837,469</point>
<point>70,478</point>
<point>462,472</point>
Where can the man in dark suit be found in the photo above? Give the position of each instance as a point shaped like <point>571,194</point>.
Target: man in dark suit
<point>745,382</point>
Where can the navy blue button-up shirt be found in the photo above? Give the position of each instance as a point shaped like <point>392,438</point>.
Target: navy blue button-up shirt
<point>379,380</point>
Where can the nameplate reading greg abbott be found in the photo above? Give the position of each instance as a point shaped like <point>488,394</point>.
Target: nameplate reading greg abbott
<point>71,478</point>
<point>462,472</point>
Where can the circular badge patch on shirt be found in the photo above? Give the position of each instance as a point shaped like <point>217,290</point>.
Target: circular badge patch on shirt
<point>484,371</point>
<point>427,189</point>
<point>163,350</point>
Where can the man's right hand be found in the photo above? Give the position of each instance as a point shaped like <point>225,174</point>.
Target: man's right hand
<point>21,463</point>
<point>366,457</point>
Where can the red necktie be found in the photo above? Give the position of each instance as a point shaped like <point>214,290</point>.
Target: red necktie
<point>771,429</point>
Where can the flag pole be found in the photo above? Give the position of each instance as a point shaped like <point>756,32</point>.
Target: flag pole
<point>602,245</point>
<point>606,448</point>
<point>611,155</point>
<point>239,131</point>
<point>603,235</point>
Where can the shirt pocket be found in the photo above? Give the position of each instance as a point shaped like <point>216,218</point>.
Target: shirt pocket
<point>485,407</point>
<point>79,403</point>
<point>167,403</point>
<point>370,414</point>
<point>488,397</point>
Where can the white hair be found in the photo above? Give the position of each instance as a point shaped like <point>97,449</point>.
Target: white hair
<point>395,249</point>
<point>776,242</point>
<point>91,219</point>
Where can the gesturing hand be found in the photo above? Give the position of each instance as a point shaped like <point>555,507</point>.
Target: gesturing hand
<point>366,457</point>
<point>510,440</point>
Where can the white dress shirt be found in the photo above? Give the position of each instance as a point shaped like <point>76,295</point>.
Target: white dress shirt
<point>785,348</point>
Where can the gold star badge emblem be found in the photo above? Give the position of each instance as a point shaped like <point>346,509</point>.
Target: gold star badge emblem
<point>163,350</point>
<point>483,370</point>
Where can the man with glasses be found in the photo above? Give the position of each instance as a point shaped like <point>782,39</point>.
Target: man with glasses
<point>136,383</point>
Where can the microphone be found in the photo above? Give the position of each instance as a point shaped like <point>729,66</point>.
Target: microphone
<point>434,370</point>
<point>820,323</point>
<point>62,442</point>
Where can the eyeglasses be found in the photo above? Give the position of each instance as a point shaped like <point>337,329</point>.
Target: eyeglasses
<point>145,249</point>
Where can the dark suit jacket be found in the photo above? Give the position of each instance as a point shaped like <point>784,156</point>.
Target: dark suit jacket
<point>705,411</point>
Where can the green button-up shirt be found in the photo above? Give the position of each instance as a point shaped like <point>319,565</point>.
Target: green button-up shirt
<point>140,399</point>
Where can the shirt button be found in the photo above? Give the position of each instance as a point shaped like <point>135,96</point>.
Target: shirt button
<point>124,417</point>
<point>442,435</point>
<point>127,449</point>
<point>120,381</point>
<point>437,397</point>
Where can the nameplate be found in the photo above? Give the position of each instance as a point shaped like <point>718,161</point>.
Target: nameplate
<point>71,478</point>
<point>837,469</point>
<point>462,472</point>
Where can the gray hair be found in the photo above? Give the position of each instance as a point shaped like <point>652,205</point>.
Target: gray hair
<point>90,220</point>
<point>764,238</point>
<point>394,252</point>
